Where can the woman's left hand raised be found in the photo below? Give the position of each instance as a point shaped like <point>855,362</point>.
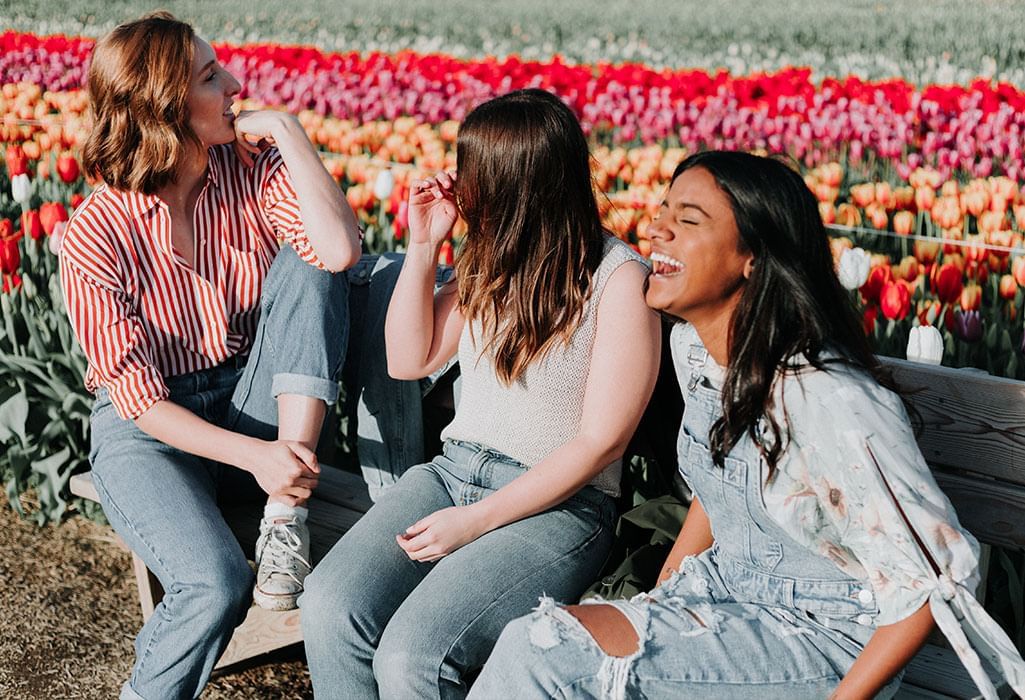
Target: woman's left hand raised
<point>440,533</point>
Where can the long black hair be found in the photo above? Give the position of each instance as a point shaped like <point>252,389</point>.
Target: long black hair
<point>792,305</point>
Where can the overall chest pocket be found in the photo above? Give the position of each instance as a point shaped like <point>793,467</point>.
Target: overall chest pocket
<point>726,493</point>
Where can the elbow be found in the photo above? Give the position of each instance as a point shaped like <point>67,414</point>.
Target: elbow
<point>341,259</point>
<point>403,371</point>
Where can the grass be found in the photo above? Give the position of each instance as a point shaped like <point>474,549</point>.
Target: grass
<point>939,41</point>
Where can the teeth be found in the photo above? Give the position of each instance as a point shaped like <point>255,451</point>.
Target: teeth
<point>665,265</point>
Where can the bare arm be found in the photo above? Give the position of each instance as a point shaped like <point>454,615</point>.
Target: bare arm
<point>329,221</point>
<point>624,365</point>
<point>694,538</point>
<point>422,329</point>
<point>887,652</point>
<point>284,469</point>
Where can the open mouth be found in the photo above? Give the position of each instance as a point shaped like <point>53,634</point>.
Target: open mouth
<point>663,266</point>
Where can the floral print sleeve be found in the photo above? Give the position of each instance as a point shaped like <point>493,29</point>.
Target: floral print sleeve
<point>854,486</point>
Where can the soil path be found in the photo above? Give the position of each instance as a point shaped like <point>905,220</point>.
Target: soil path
<point>69,614</point>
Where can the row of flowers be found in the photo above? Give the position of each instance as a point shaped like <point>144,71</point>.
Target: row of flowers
<point>977,128</point>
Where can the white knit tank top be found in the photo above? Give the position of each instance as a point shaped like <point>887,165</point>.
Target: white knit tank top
<point>542,409</point>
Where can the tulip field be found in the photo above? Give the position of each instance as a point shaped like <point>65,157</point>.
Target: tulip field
<point>920,185</point>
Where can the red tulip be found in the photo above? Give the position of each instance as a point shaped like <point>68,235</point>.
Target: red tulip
<point>76,199</point>
<point>878,277</point>
<point>67,168</point>
<point>445,255</point>
<point>31,225</point>
<point>947,282</point>
<point>895,300</point>
<point>17,161</point>
<point>50,213</point>
<point>10,256</point>
<point>1018,270</point>
<point>11,282</point>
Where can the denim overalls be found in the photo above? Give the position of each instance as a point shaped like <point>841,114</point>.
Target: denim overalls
<point>755,616</point>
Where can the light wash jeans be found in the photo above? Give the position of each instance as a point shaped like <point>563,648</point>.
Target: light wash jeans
<point>164,502</point>
<point>376,623</point>
<point>757,616</point>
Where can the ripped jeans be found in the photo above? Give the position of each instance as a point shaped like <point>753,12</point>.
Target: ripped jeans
<point>696,640</point>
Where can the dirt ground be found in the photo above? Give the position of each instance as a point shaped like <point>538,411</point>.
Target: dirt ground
<point>69,613</point>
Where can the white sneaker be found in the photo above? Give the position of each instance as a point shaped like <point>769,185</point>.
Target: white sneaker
<point>282,557</point>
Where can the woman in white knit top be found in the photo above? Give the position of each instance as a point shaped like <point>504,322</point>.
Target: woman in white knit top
<point>558,354</point>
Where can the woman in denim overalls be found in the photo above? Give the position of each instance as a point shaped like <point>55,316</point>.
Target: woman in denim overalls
<point>800,570</point>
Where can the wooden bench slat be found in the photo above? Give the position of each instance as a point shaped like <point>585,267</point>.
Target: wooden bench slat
<point>937,672</point>
<point>972,420</point>
<point>993,511</point>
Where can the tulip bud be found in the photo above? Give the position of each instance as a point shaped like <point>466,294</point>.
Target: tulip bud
<point>10,256</point>
<point>31,225</point>
<point>57,237</point>
<point>21,188</point>
<point>383,185</point>
<point>1008,287</point>
<point>925,344</point>
<point>895,300</point>
<point>971,297</point>
<point>968,326</point>
<point>1018,270</point>
<point>853,268</point>
<point>17,161</point>
<point>947,282</point>
<point>50,213</point>
<point>904,222</point>
<point>67,168</point>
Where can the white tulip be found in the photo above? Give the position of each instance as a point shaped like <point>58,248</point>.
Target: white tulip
<point>853,268</point>
<point>21,188</point>
<point>383,185</point>
<point>925,344</point>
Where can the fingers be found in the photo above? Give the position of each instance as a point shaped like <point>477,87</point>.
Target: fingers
<point>306,456</point>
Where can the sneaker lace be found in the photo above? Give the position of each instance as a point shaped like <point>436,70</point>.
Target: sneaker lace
<point>281,549</point>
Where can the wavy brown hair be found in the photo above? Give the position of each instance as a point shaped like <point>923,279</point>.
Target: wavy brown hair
<point>138,84</point>
<point>534,238</point>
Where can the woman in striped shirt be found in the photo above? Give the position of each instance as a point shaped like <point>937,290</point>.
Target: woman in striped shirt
<point>213,354</point>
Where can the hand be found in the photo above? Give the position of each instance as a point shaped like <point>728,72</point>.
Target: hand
<point>256,131</point>
<point>285,470</point>
<point>432,208</point>
<point>440,533</point>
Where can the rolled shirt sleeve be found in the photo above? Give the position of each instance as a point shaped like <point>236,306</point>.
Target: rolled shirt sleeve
<point>281,205</point>
<point>110,334</point>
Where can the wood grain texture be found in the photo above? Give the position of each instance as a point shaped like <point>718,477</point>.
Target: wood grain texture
<point>972,421</point>
<point>261,632</point>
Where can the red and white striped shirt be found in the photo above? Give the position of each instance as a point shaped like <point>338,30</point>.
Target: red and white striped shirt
<point>140,310</point>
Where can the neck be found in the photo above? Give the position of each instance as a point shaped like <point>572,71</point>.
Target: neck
<point>713,327</point>
<point>189,180</point>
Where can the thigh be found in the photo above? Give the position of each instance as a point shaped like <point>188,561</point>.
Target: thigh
<point>464,602</point>
<point>162,501</point>
<point>366,573</point>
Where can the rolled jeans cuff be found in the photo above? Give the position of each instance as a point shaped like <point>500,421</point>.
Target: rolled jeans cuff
<point>305,385</point>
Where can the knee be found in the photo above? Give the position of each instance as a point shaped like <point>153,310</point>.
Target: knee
<point>327,610</point>
<point>225,589</point>
<point>402,662</point>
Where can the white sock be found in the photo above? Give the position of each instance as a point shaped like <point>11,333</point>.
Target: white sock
<point>279,510</point>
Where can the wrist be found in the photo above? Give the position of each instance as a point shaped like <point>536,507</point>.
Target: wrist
<point>243,452</point>
<point>288,128</point>
<point>481,517</point>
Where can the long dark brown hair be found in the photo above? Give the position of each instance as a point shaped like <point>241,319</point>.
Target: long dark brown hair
<point>791,306</point>
<point>534,238</point>
<point>139,78</point>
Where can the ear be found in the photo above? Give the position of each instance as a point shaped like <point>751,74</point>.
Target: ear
<point>749,267</point>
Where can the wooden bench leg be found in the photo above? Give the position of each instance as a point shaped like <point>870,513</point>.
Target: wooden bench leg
<point>150,590</point>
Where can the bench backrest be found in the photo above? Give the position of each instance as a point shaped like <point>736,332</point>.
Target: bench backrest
<point>973,436</point>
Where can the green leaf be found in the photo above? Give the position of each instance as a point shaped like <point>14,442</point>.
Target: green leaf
<point>13,415</point>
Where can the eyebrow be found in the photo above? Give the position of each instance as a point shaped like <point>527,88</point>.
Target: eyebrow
<point>689,205</point>
<point>208,65</point>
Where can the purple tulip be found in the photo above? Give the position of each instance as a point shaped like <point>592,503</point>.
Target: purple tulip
<point>968,326</point>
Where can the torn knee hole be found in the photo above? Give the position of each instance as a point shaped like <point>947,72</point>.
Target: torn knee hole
<point>609,628</point>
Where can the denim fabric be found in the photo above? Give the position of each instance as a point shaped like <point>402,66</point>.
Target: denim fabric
<point>376,623</point>
<point>388,412</point>
<point>164,502</point>
<point>756,616</point>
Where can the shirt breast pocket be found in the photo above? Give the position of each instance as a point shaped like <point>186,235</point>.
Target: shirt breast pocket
<point>244,272</point>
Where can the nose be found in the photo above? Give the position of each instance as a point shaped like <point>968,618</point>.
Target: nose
<point>233,87</point>
<point>658,231</point>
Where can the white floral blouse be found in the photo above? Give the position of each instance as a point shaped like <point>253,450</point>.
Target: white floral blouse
<point>851,458</point>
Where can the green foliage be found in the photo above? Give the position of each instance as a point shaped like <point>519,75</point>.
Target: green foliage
<point>44,408</point>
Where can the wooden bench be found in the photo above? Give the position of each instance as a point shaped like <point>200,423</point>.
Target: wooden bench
<point>973,436</point>
<point>340,500</point>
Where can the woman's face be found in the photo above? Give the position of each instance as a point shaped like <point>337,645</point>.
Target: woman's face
<point>211,93</point>
<point>698,269</point>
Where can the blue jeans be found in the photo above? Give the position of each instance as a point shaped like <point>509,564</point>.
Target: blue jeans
<point>376,623</point>
<point>164,502</point>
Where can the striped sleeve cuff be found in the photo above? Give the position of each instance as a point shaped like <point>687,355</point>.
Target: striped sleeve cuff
<point>134,392</point>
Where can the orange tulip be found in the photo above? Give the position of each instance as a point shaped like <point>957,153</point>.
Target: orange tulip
<point>908,269</point>
<point>926,251</point>
<point>828,212</point>
<point>864,194</point>
<point>1018,271</point>
<point>848,215</point>
<point>971,298</point>
<point>904,222</point>
<point>1008,287</point>
<point>876,213</point>
<point>925,198</point>
<point>31,225</point>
